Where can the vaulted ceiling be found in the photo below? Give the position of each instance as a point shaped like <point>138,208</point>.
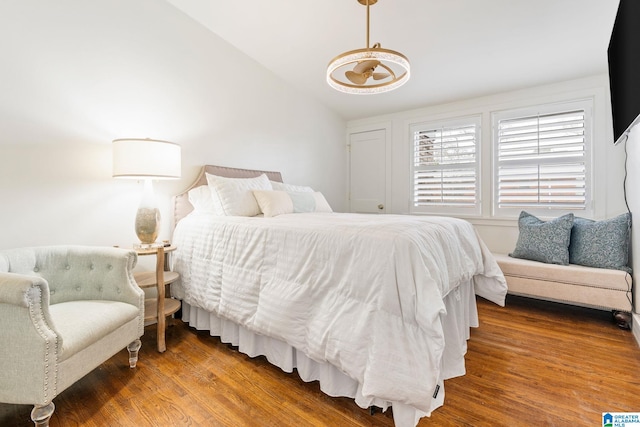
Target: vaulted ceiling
<point>458,49</point>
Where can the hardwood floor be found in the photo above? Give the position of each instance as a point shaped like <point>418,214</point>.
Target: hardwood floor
<point>531,363</point>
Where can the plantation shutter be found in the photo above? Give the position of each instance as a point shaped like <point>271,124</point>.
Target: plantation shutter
<point>445,166</point>
<point>541,161</point>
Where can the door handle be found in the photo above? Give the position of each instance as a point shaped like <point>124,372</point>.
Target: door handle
<point>381,206</point>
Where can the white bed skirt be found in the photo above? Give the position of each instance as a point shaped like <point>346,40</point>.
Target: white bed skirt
<point>461,315</point>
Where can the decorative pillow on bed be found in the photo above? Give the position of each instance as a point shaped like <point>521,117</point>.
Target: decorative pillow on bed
<point>200,198</point>
<point>233,197</point>
<point>281,186</point>
<point>602,244</point>
<point>544,241</point>
<point>274,203</point>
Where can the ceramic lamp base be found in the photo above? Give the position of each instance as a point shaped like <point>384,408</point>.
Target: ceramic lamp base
<point>147,224</point>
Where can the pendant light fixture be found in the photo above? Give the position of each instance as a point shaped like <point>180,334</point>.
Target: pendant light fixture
<point>370,70</point>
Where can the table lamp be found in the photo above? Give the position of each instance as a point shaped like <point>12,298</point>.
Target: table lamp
<point>146,159</point>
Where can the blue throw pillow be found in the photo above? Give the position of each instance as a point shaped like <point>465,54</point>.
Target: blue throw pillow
<point>544,241</point>
<point>601,244</point>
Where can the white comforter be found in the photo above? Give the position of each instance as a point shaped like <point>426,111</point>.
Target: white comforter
<point>362,292</point>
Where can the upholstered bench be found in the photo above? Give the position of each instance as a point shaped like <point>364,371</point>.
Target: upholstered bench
<point>600,288</point>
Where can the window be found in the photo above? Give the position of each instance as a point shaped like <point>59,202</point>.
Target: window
<point>542,160</point>
<point>446,167</point>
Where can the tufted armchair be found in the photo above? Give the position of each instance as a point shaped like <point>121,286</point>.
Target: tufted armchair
<point>64,311</point>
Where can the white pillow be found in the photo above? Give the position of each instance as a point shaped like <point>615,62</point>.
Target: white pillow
<point>233,197</point>
<point>274,203</point>
<point>280,186</point>
<point>200,198</point>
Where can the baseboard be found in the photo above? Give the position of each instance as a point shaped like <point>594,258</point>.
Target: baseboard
<point>635,326</point>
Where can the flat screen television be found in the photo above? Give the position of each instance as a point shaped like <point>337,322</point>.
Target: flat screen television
<point>624,69</point>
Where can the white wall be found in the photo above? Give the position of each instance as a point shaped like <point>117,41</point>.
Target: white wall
<point>633,198</point>
<point>77,74</point>
<point>501,235</point>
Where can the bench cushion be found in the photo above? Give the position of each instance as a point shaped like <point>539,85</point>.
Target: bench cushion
<point>572,284</point>
<point>571,274</point>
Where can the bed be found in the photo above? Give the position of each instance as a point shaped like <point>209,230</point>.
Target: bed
<point>377,308</point>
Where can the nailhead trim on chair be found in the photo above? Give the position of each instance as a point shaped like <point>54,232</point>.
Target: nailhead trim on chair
<point>38,322</point>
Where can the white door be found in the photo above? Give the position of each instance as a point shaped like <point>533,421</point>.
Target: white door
<point>367,171</point>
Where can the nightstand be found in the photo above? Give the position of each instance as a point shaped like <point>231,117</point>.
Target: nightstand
<point>157,310</point>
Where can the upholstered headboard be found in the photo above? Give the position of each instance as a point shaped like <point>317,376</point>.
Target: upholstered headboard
<point>181,205</point>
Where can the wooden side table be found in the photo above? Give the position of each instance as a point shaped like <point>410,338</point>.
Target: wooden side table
<point>157,310</point>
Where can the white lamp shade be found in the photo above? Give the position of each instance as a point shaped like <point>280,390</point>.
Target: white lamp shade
<point>146,158</point>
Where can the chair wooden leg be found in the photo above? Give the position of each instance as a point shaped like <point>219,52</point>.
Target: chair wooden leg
<point>133,352</point>
<point>40,415</point>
